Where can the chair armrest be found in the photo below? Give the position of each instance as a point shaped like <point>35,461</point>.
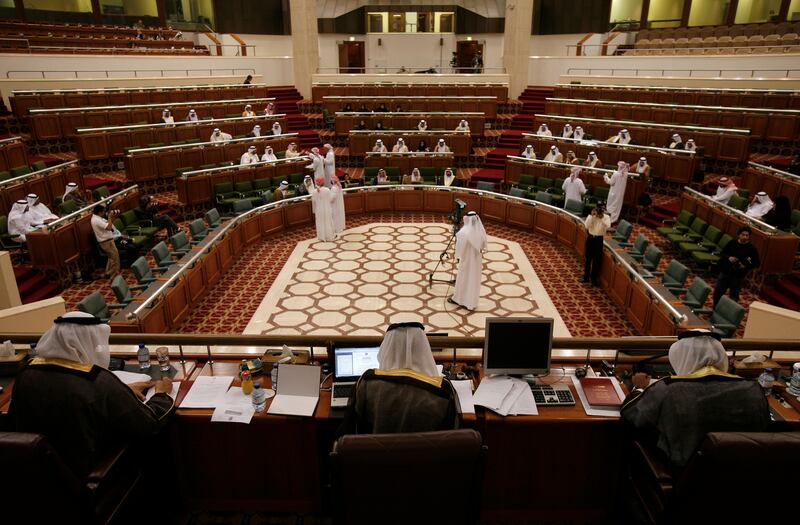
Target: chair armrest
<point>161,269</point>
<point>148,280</point>
<point>658,274</point>
<point>179,254</point>
<point>625,244</point>
<point>702,311</point>
<point>724,326</point>
<point>138,287</point>
<point>117,306</point>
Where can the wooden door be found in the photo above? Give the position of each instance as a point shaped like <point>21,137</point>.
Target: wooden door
<point>465,54</point>
<point>352,58</point>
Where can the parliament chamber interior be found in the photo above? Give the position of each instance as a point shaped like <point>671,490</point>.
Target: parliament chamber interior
<point>483,261</point>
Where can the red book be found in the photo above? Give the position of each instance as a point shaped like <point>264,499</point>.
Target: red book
<point>600,392</point>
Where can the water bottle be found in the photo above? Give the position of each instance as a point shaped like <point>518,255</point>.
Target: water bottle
<point>274,377</point>
<point>766,380</point>
<point>259,397</point>
<point>794,383</point>
<point>143,354</point>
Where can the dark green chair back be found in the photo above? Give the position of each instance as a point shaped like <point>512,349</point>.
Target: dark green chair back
<point>198,229</point>
<point>142,271</point>
<point>675,275</point>
<point>39,165</point>
<point>95,304</point>
<point>243,187</point>
<point>526,180</point>
<point>101,193</point>
<point>697,293</point>
<point>544,197</point>
<point>724,240</point>
<point>518,192</point>
<point>129,217</point>
<point>67,207</point>
<point>651,258</point>
<point>242,205</point>
<point>737,202</point>
<point>641,243</point>
<point>623,231</point>
<point>573,206</point>
<point>223,187</point>
<point>20,171</point>
<point>121,290</point>
<point>180,242</point>
<point>161,254</point>
<point>484,185</point>
<point>262,184</point>
<point>296,178</point>
<point>212,218</point>
<point>5,175</point>
<point>727,316</point>
<point>544,183</point>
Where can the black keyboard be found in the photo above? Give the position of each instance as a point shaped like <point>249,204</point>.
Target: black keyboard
<point>552,395</point>
<point>343,390</point>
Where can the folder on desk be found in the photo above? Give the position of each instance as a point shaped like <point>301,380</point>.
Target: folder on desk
<point>298,390</point>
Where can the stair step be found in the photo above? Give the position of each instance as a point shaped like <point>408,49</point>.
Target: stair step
<point>29,285</point>
<point>778,298</point>
<point>45,292</point>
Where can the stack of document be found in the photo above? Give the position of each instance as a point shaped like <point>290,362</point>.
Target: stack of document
<point>506,396</point>
<point>207,392</point>
<point>592,410</point>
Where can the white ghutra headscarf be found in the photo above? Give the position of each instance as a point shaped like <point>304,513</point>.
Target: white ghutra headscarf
<point>405,345</point>
<point>77,336</point>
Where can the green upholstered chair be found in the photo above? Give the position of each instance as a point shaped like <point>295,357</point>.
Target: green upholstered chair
<point>138,240</point>
<point>526,182</point>
<point>161,254</point>
<point>557,192</point>
<point>101,193</point>
<point>156,145</point>
<point>623,232</point>
<point>242,206</point>
<point>543,197</point>
<point>245,189</point>
<point>143,272</point>
<point>39,165</point>
<point>544,184</point>
<point>225,196</point>
<point>68,206</point>
<point>208,166</point>
<point>674,276</point>
<point>696,294</point>
<point>5,175</point>
<point>737,202</point>
<point>296,178</point>
<point>198,230</point>
<point>135,226</point>
<point>694,233</point>
<point>726,317</point>
<point>181,171</point>
<point>709,258</point>
<point>20,171</point>
<point>122,291</point>
<point>180,244</point>
<point>679,224</point>
<point>518,192</point>
<point>574,206</point>
<point>430,175</point>
<point>263,185</point>
<point>651,258</point>
<point>6,239</point>
<point>95,305</point>
<point>212,218</point>
<point>707,243</point>
<point>370,174</point>
<point>484,185</point>
<point>393,172</point>
<point>598,196</point>
<point>639,247</point>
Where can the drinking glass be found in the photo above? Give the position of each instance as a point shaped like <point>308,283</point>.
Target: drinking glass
<point>162,352</point>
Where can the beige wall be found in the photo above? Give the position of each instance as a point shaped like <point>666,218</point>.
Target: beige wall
<point>9,293</point>
<point>765,321</point>
<point>33,318</point>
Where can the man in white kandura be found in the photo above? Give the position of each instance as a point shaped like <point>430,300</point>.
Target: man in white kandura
<point>276,128</point>
<point>759,207</point>
<point>690,145</point>
<point>573,186</point>
<point>338,205</point>
<point>567,131</point>
<point>543,131</point>
<point>400,147</point>
<point>578,135</point>
<point>219,136</point>
<point>554,155</point>
<point>463,126</point>
<point>449,177</point>
<point>256,131</point>
<point>623,137</point>
<point>249,157</point>
<point>616,195</point>
<point>441,147</point>
<point>422,126</point>
<point>41,214</point>
<point>470,245</point>
<point>268,155</point>
<point>528,153</point>
<point>725,191</point>
<point>591,160</point>
<point>323,214</point>
<point>291,151</point>
<point>329,165</point>
<point>379,147</point>
<point>316,164</point>
<point>677,142</point>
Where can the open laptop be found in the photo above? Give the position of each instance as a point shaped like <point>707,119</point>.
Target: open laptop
<point>349,362</point>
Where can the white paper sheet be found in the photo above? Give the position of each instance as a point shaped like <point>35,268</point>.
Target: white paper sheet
<point>510,400</point>
<point>464,390</point>
<point>492,391</point>
<point>131,377</point>
<point>235,407</point>
<point>525,404</point>
<point>298,390</point>
<point>597,411</point>
<point>207,392</point>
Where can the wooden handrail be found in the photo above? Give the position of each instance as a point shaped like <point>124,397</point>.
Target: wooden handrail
<point>216,41</point>
<point>242,43</point>
<point>611,36</point>
<point>579,45</point>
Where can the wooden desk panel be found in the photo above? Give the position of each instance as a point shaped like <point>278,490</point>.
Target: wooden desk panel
<point>360,143</point>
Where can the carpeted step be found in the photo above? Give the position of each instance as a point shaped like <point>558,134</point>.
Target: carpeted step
<point>779,298</point>
<point>23,272</point>
<point>46,291</point>
<point>31,283</point>
<point>789,287</point>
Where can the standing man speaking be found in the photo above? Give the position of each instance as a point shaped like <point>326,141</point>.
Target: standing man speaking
<point>470,245</point>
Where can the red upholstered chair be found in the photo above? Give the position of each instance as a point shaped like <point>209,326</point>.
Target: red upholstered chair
<point>425,477</point>
<point>730,479</point>
<point>40,488</point>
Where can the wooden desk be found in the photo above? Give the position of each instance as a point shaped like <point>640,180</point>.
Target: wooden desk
<point>360,142</point>
<point>442,121</point>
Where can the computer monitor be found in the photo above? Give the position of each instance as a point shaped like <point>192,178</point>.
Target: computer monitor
<point>349,362</point>
<point>517,345</point>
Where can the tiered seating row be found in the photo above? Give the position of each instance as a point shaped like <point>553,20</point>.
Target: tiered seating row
<point>359,142</point>
<point>666,164</point>
<point>755,38</point>
<point>485,105</point>
<point>103,143</point>
<point>109,31</point>
<point>13,153</point>
<point>774,182</point>
<point>775,248</point>
<point>197,188</point>
<point>515,166</point>
<point>161,163</point>
<point>11,42</point>
<point>734,98</point>
<point>48,184</point>
<point>780,125</point>
<point>408,120</point>
<point>55,124</point>
<point>65,241</point>
<point>716,143</point>
<point>22,101</point>
<point>320,91</point>
<point>406,162</point>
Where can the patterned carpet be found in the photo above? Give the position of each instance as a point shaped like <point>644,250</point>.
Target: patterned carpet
<point>228,308</point>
